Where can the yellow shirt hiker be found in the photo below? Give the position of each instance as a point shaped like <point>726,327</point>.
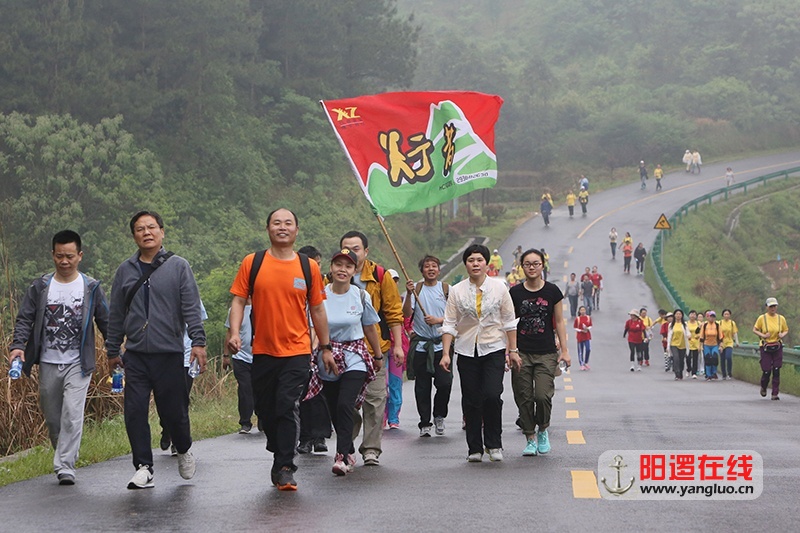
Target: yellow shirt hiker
<point>729,330</point>
<point>771,328</point>
<point>694,339</point>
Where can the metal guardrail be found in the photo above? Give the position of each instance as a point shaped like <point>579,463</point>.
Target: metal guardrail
<point>657,252</point>
<point>790,355</point>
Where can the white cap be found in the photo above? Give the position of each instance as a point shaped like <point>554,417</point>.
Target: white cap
<point>495,251</point>
<point>392,272</point>
<point>771,301</point>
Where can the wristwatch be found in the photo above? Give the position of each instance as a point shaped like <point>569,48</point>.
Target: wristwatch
<point>513,351</point>
<point>326,347</point>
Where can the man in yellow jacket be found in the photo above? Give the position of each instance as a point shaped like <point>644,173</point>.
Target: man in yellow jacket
<point>382,289</point>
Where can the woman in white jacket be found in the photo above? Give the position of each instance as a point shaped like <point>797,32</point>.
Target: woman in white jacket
<point>678,341</point>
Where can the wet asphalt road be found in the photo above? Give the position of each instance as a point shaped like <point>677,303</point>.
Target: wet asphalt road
<point>426,484</point>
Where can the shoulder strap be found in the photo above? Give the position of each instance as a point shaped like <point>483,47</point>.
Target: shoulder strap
<point>259,259</point>
<point>306,266</point>
<point>160,260</point>
<point>445,290</point>
<point>378,273</point>
<point>254,268</point>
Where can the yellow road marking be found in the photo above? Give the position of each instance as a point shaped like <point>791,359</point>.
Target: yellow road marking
<point>584,484</point>
<point>575,437</point>
<point>567,387</point>
<point>662,193</point>
<point>573,414</point>
<point>564,278</point>
<point>569,399</point>
<point>570,250</point>
<point>566,264</point>
<point>567,380</point>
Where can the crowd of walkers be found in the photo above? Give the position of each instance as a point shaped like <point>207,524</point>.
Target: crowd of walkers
<point>699,345</point>
<point>318,345</point>
<point>314,345</point>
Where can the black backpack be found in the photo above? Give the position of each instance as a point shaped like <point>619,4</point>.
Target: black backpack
<point>305,264</point>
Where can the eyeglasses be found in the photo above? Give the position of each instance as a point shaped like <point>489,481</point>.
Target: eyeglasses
<point>141,229</point>
<point>537,264</point>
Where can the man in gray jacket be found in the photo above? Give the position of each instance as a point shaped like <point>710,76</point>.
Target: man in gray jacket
<point>150,314</point>
<point>54,329</point>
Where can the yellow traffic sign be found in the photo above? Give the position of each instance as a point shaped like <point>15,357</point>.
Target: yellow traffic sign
<point>662,222</point>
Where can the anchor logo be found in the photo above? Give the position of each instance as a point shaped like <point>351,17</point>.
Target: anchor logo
<point>618,489</point>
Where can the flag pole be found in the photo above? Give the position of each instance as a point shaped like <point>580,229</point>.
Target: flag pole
<point>399,261</point>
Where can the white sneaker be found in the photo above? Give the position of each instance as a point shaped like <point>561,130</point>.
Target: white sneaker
<point>438,423</point>
<point>425,431</point>
<point>476,457</point>
<point>639,368</point>
<point>142,479</point>
<point>186,465</point>
<point>371,458</point>
<point>495,454</point>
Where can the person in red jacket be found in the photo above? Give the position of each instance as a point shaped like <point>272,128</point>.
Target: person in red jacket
<point>634,329</point>
<point>583,334</point>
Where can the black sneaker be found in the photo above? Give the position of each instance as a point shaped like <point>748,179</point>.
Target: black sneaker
<point>763,392</point>
<point>320,446</point>
<point>304,447</point>
<point>284,479</point>
<point>165,441</point>
<point>65,478</point>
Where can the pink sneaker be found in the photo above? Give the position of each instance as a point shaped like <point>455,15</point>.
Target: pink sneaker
<point>394,425</point>
<point>587,367</point>
<point>339,468</point>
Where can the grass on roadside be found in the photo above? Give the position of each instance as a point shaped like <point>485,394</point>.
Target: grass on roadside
<point>211,415</point>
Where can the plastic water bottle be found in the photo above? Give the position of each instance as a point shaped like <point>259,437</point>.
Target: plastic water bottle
<point>563,366</point>
<point>117,380</point>
<point>16,368</point>
<point>194,369</point>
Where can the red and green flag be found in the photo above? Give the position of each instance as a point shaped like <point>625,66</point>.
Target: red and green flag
<point>413,150</point>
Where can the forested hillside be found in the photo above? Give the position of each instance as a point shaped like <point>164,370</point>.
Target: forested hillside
<point>207,109</point>
<point>610,82</point>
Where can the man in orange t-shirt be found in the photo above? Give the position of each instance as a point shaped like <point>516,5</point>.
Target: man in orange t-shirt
<point>281,338</point>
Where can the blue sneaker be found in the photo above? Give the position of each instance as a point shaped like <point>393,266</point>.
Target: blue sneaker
<point>531,448</point>
<point>544,441</point>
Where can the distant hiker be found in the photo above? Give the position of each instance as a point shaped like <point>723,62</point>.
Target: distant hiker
<point>571,202</point>
<point>583,199</point>
<point>771,328</point>
<point>687,160</point>
<point>658,173</point>
<point>643,174</point>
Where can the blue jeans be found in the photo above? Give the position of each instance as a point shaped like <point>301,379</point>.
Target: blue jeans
<point>709,354</point>
<point>726,361</point>
<point>587,302</point>
<point>584,349</point>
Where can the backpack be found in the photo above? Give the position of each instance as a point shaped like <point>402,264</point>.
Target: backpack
<point>305,264</point>
<point>719,331</point>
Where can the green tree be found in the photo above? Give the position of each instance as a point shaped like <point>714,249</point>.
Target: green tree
<point>57,173</point>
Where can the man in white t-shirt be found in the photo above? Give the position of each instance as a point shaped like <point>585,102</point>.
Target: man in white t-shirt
<point>425,350</point>
<point>54,329</point>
